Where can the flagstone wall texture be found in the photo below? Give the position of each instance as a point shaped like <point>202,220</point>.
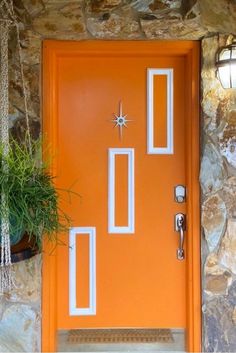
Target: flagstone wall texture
<point>212,22</point>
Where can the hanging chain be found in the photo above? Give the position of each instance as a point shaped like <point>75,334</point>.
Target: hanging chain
<point>9,19</point>
<point>28,135</point>
<point>13,19</point>
<point>6,275</point>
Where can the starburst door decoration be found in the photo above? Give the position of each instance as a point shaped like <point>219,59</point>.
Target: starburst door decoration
<point>120,120</point>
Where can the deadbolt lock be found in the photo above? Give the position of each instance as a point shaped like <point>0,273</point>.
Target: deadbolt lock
<point>180,193</point>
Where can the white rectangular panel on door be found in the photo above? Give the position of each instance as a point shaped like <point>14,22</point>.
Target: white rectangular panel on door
<point>73,308</point>
<point>112,228</point>
<point>151,148</point>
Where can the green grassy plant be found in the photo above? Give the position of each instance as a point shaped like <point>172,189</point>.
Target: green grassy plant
<point>32,198</point>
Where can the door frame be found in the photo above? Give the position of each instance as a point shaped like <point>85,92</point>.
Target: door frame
<point>52,51</point>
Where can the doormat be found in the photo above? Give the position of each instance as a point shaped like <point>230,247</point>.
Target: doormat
<point>120,336</point>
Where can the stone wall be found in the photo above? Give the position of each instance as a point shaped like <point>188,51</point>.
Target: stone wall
<point>151,20</point>
<point>218,182</point>
<point>20,311</point>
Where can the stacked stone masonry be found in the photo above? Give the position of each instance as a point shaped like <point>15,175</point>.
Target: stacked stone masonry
<point>212,22</point>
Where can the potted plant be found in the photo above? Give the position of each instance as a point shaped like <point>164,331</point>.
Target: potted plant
<point>32,200</point>
<point>29,201</point>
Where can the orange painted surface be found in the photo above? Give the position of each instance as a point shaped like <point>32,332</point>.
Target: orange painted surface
<point>121,189</point>
<point>160,110</point>
<point>193,211</point>
<point>140,283</point>
<point>82,270</point>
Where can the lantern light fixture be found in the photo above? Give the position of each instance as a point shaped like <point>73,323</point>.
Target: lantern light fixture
<point>226,65</point>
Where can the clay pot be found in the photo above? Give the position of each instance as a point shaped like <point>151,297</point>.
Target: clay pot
<point>23,249</point>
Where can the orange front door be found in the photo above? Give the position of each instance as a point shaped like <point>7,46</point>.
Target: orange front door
<point>121,126</point>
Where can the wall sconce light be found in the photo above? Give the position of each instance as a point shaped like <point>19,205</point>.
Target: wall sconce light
<point>226,65</point>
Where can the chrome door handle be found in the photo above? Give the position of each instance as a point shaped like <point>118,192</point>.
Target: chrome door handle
<point>180,227</point>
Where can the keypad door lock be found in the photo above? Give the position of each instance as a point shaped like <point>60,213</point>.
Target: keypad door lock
<point>180,193</point>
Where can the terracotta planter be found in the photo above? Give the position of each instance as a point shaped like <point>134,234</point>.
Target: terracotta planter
<point>23,250</point>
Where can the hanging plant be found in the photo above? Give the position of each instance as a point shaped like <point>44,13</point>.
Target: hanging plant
<point>31,197</point>
<point>29,201</point>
